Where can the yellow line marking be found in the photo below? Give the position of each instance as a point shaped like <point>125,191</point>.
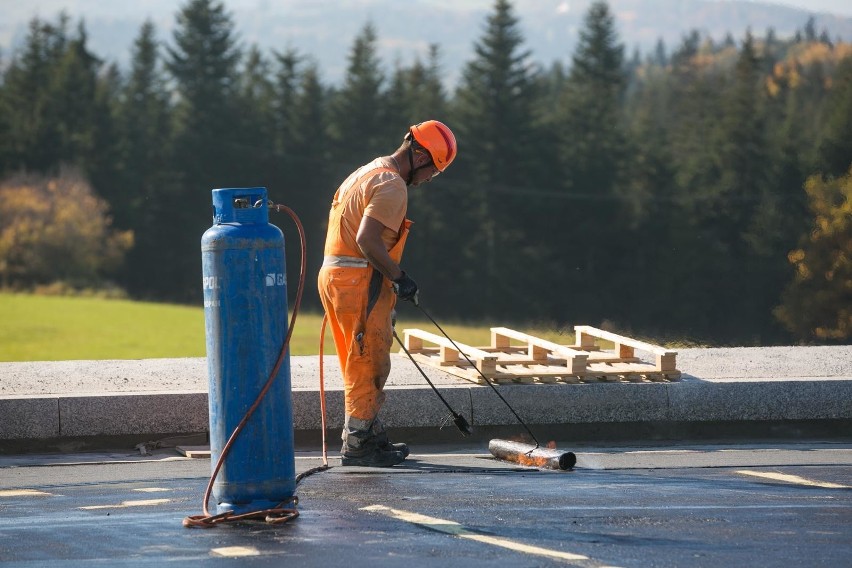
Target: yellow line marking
<point>793,479</point>
<point>152,489</point>
<point>125,504</point>
<point>23,493</point>
<point>235,551</point>
<point>455,529</point>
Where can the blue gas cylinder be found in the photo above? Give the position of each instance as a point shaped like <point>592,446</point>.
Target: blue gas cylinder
<point>245,314</point>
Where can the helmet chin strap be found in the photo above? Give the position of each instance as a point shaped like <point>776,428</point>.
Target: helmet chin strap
<point>411,169</point>
<point>410,165</point>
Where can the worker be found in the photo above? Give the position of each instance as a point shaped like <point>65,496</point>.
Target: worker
<point>361,280</point>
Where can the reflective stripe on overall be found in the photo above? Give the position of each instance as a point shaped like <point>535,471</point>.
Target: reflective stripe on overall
<point>358,302</point>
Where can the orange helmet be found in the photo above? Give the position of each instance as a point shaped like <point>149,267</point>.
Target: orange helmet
<point>438,140</point>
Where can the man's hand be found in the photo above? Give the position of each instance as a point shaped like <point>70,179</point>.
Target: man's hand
<point>406,289</point>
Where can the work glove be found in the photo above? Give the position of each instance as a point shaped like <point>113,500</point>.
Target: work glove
<point>406,289</point>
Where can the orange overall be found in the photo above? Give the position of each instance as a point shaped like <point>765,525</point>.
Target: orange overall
<point>358,302</point>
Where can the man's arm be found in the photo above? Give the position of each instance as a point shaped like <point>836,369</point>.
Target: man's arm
<point>369,239</point>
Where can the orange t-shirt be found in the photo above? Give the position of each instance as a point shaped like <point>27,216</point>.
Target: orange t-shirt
<point>382,196</point>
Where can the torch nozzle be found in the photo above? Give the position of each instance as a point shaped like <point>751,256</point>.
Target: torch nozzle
<point>462,424</point>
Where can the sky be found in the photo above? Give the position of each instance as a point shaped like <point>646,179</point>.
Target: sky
<point>839,7</point>
<point>49,7</point>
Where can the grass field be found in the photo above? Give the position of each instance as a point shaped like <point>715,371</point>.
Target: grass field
<point>55,328</point>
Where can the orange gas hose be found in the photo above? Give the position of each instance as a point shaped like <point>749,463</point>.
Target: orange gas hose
<point>281,513</point>
<point>322,388</point>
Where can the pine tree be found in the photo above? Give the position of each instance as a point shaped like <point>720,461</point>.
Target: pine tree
<point>359,129</point>
<point>743,156</point>
<point>285,108</point>
<point>660,57</point>
<point>426,95</point>
<point>594,139</point>
<point>593,160</point>
<point>254,148</point>
<point>31,139</point>
<point>71,98</point>
<point>147,181</point>
<point>494,103</point>
<point>493,122</point>
<point>416,94</point>
<point>204,65</point>
<point>103,159</point>
<point>311,179</point>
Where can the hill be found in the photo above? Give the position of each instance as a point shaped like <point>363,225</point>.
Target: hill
<point>325,31</point>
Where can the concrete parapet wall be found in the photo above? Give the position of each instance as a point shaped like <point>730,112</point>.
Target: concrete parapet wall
<point>119,398</point>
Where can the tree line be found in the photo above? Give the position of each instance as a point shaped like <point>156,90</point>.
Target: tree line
<point>660,194</point>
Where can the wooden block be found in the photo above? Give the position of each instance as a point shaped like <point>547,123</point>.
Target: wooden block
<point>487,366</point>
<point>666,362</point>
<point>194,451</point>
<point>498,340</point>
<point>412,342</point>
<point>624,351</point>
<point>583,339</point>
<point>448,354</point>
<point>537,353</point>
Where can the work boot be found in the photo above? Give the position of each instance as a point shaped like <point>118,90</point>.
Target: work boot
<point>374,457</point>
<point>361,448</point>
<point>383,442</point>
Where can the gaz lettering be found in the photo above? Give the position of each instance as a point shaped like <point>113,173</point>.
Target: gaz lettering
<point>275,279</point>
<point>212,282</point>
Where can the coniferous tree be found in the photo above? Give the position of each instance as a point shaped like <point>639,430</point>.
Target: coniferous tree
<point>494,103</point>
<point>103,161</point>
<point>312,178</point>
<point>810,29</point>
<point>743,153</point>
<point>285,108</point>
<point>310,140</point>
<point>660,57</point>
<point>204,65</point>
<point>427,94</point>
<point>593,157</point>
<point>417,94</point>
<point>494,126</point>
<point>651,214</point>
<point>33,130</point>
<point>147,184</point>
<point>359,129</point>
<point>751,218</point>
<point>71,100</point>
<point>254,150</point>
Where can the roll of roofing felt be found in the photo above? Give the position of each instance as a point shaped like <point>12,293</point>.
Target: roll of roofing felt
<point>527,454</point>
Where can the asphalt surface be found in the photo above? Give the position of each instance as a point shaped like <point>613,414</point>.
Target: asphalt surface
<point>702,505</point>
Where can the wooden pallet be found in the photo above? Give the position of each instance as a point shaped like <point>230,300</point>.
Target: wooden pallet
<point>515,357</point>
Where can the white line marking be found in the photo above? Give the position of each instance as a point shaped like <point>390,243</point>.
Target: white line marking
<point>23,493</point>
<point>793,479</point>
<point>455,529</point>
<point>235,551</point>
<point>125,504</point>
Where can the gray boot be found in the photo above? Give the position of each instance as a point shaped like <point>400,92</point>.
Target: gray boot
<point>384,442</point>
<point>360,447</point>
